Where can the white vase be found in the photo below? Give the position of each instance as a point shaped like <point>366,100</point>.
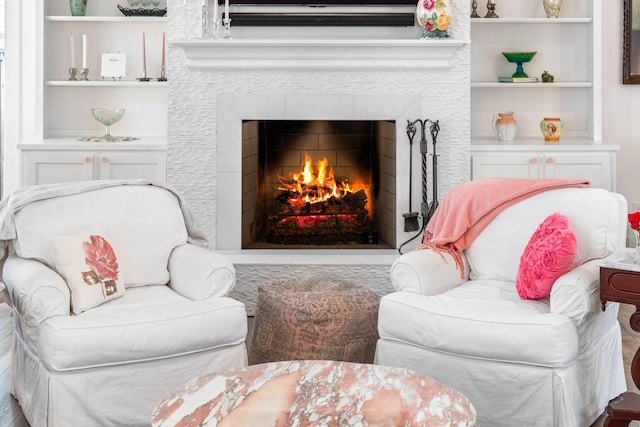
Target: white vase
<point>433,18</point>
<point>552,7</point>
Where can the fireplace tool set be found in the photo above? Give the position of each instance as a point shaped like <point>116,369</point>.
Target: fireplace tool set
<point>411,219</point>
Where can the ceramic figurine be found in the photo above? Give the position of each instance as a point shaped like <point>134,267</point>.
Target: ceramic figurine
<point>546,77</point>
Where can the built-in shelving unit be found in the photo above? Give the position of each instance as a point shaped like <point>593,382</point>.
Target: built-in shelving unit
<point>62,112</point>
<point>569,48</point>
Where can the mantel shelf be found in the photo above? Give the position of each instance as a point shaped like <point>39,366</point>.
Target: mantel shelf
<point>245,54</point>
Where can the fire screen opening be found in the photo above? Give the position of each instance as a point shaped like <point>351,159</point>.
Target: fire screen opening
<point>315,184</point>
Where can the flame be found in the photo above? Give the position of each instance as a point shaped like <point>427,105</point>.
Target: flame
<point>315,185</point>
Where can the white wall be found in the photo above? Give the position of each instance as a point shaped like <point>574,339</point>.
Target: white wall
<point>621,106</point>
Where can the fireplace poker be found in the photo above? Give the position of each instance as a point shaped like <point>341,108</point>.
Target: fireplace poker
<point>435,128</point>
<point>411,218</point>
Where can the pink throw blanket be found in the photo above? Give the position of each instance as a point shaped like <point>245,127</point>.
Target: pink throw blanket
<point>468,208</point>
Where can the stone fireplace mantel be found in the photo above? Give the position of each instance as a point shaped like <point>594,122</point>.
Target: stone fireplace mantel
<point>298,54</point>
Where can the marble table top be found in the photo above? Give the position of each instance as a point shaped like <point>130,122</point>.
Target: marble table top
<point>626,259</point>
<point>314,393</point>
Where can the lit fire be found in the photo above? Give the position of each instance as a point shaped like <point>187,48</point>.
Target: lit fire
<point>317,185</point>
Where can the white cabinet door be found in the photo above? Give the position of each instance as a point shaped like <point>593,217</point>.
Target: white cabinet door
<point>139,165</point>
<point>50,167</point>
<point>504,165</point>
<point>596,167</point>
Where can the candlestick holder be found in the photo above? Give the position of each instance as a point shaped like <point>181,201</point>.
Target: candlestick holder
<point>73,74</point>
<point>84,74</point>
<point>491,10</point>
<point>163,77</point>
<point>144,77</point>
<point>205,20</point>
<point>227,28</point>
<point>216,28</point>
<point>474,12</point>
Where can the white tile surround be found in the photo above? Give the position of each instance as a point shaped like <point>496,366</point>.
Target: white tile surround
<point>215,87</point>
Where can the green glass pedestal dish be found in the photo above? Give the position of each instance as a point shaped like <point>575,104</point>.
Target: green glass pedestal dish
<point>519,58</point>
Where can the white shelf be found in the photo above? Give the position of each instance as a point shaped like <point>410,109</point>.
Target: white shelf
<point>555,85</point>
<point>536,143</point>
<point>137,19</point>
<point>151,143</point>
<point>105,83</point>
<point>544,21</point>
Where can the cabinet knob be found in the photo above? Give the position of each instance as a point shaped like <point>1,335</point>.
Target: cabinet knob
<point>551,160</point>
<point>104,159</point>
<point>88,159</point>
<point>533,160</point>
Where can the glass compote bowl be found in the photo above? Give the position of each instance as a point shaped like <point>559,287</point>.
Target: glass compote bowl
<point>107,116</point>
<point>519,58</point>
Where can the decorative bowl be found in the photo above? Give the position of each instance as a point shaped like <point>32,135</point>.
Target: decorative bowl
<point>519,56</point>
<point>107,116</point>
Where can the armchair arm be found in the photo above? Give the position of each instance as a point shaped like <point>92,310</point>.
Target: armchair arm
<point>427,272</point>
<point>577,293</point>
<point>198,273</point>
<point>37,292</point>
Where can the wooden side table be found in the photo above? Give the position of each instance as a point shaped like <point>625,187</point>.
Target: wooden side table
<point>620,282</point>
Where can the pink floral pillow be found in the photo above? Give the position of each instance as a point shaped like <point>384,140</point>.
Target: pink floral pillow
<point>89,265</point>
<point>550,253</point>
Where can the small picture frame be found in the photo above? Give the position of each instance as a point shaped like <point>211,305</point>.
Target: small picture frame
<point>114,66</point>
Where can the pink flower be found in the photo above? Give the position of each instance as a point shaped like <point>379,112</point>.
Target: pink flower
<point>429,4</point>
<point>428,26</point>
<point>100,257</point>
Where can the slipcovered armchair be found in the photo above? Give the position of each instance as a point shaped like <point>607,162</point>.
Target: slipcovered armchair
<point>551,361</point>
<point>116,301</point>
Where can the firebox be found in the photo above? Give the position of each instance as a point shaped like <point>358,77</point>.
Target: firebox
<point>317,183</point>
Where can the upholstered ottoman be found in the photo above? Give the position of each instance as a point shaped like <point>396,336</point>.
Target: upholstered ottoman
<point>314,317</point>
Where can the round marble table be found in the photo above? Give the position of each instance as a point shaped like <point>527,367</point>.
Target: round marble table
<point>314,393</point>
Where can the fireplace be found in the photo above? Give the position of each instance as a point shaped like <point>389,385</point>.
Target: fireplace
<point>221,88</point>
<point>309,184</point>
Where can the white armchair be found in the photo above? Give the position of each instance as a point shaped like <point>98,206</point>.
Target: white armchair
<point>112,363</point>
<point>555,361</point>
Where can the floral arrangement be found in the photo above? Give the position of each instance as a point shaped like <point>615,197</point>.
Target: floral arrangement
<point>433,18</point>
<point>634,221</point>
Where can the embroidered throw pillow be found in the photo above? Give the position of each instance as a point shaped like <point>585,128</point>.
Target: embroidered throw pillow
<point>550,253</point>
<point>89,265</point>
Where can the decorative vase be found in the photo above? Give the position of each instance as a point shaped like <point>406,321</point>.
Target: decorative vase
<point>552,7</point>
<point>78,7</point>
<point>637,233</point>
<point>433,18</point>
<point>551,128</point>
<point>505,126</point>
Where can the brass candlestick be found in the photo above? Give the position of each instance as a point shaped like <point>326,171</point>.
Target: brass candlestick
<point>474,12</point>
<point>491,10</point>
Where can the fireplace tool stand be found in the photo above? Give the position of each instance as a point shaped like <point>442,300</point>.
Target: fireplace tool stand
<point>426,209</point>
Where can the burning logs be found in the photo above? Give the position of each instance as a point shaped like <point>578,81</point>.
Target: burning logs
<point>334,220</point>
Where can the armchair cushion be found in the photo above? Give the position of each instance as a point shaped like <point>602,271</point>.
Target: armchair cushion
<point>549,254</point>
<point>145,224</point>
<point>89,265</point>
<point>476,319</point>
<point>150,323</point>
<point>493,256</point>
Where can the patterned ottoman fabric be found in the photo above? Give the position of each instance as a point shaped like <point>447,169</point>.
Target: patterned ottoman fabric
<point>314,317</point>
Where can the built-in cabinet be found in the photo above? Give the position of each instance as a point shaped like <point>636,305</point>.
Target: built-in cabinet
<point>569,48</point>
<point>597,164</point>
<point>63,107</point>
<point>54,163</point>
